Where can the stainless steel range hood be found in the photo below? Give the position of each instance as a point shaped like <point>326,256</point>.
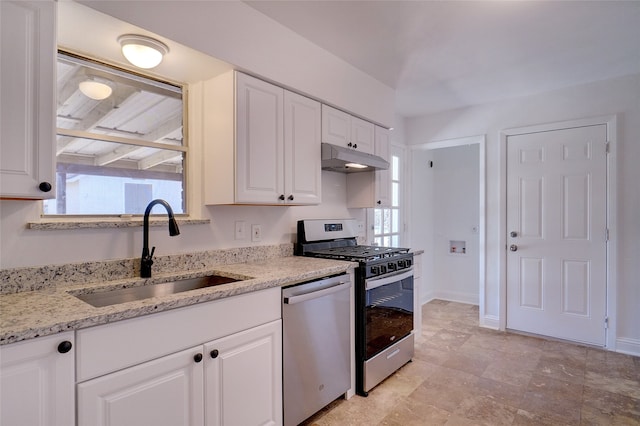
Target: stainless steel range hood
<point>346,160</point>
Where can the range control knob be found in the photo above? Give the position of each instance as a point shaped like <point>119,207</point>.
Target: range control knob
<point>392,266</point>
<point>408,262</point>
<point>383,269</point>
<point>402,264</point>
<point>375,270</point>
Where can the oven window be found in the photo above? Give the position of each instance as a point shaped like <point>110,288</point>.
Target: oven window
<point>389,315</point>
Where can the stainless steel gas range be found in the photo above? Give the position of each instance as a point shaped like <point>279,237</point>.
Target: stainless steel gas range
<point>383,296</point>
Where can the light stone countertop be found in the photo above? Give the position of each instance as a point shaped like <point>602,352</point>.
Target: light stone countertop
<point>31,314</point>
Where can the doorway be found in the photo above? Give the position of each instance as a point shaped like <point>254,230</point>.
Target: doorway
<point>448,218</point>
<point>556,231</point>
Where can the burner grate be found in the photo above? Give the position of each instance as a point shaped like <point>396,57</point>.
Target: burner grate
<point>358,253</point>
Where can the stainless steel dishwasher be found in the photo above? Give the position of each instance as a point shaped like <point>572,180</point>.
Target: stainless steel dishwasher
<point>316,345</point>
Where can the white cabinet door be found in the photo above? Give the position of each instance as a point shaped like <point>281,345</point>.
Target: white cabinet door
<point>383,177</point>
<point>27,107</point>
<point>259,141</point>
<point>37,382</point>
<point>303,168</point>
<point>336,126</point>
<point>166,391</point>
<point>340,128</point>
<point>362,135</point>
<point>243,377</point>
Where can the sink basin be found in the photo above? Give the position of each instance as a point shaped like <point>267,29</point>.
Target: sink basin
<point>122,295</point>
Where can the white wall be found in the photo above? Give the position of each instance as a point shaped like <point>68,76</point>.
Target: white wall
<point>619,96</point>
<point>455,203</point>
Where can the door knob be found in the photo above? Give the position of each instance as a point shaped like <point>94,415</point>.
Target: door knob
<point>513,247</point>
<point>513,234</point>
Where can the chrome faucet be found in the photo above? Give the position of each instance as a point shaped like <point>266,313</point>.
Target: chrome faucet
<point>147,258</point>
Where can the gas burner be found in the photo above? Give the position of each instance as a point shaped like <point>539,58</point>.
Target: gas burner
<point>358,253</point>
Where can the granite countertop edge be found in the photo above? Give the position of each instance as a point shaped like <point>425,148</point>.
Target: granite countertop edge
<point>37,313</point>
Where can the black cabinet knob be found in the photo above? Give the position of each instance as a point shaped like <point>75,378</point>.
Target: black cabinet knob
<point>214,353</point>
<point>379,202</point>
<point>64,347</point>
<point>349,144</point>
<point>45,186</point>
<point>290,197</point>
<point>355,145</point>
<point>281,197</point>
<point>197,357</point>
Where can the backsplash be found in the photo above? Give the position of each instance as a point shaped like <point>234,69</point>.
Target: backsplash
<point>42,277</point>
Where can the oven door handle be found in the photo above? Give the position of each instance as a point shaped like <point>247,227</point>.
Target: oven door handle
<point>372,283</point>
<point>314,294</point>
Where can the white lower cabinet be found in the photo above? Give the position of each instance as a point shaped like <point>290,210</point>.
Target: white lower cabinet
<point>243,378</point>
<point>211,384</point>
<point>135,372</point>
<point>166,391</point>
<point>37,382</point>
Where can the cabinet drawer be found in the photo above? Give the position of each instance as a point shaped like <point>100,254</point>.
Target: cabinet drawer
<point>110,347</point>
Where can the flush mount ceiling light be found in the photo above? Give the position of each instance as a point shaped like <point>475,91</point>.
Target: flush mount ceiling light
<point>96,88</point>
<point>141,51</point>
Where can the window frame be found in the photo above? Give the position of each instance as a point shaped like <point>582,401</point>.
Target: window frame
<point>183,149</point>
<point>400,210</point>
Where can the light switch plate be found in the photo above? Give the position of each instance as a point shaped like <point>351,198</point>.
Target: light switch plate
<point>256,233</point>
<point>241,230</point>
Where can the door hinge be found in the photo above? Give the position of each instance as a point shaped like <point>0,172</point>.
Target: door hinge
<point>606,322</point>
<point>606,147</point>
<point>606,234</point>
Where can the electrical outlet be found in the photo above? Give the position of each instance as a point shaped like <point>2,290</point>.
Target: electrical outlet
<point>241,230</point>
<point>256,233</point>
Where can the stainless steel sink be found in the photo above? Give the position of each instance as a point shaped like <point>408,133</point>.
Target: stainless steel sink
<point>122,295</point>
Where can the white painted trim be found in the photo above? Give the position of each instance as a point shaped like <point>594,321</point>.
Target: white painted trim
<point>482,207</point>
<point>628,346</point>
<point>450,143</point>
<point>490,321</point>
<point>611,122</point>
<point>427,297</point>
<point>453,296</point>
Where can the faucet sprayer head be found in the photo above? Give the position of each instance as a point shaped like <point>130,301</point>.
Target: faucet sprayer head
<point>173,227</point>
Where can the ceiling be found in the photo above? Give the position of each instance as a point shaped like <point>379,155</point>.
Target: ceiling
<point>442,55</point>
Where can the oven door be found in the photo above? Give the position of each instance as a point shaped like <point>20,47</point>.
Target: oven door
<point>388,310</point>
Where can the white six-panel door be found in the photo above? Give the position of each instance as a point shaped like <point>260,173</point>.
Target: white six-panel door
<point>556,225</point>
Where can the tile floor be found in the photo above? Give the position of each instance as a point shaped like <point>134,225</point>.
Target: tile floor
<point>465,375</point>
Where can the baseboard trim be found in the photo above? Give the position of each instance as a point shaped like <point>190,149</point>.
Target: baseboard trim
<point>628,346</point>
<point>490,321</point>
<point>451,296</point>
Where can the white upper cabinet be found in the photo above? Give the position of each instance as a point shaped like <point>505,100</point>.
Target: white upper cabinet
<point>37,381</point>
<point>340,128</point>
<point>27,116</point>
<point>372,189</point>
<point>259,141</point>
<point>383,177</point>
<point>302,152</point>
<point>262,143</point>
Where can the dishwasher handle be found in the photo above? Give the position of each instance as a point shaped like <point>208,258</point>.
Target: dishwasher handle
<point>314,294</point>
